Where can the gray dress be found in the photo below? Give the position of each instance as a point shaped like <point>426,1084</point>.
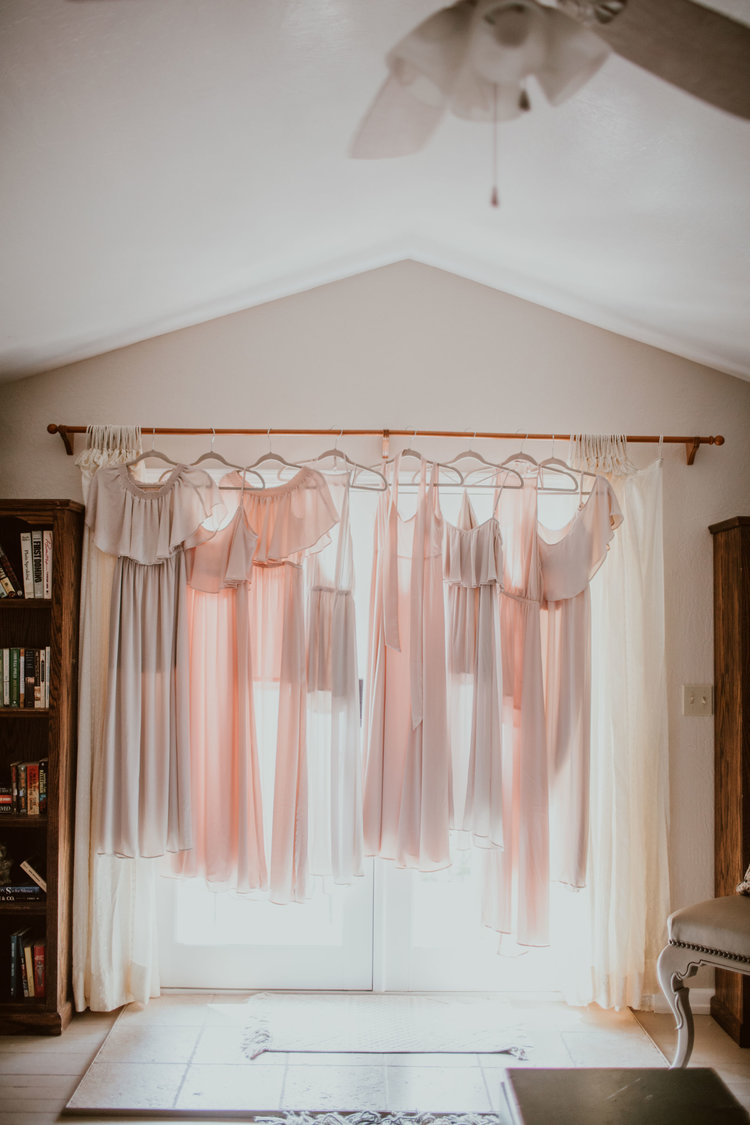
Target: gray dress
<point>141,797</point>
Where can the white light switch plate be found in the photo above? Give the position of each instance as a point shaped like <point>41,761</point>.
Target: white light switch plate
<point>697,699</point>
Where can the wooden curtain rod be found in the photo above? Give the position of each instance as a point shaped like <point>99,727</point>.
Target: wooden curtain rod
<point>692,444</point>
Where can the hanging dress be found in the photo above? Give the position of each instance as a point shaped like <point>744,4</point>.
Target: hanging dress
<point>144,803</point>
<point>516,884</point>
<point>569,559</point>
<point>228,838</point>
<point>288,521</point>
<point>473,572</point>
<point>407,781</point>
<point>333,740</point>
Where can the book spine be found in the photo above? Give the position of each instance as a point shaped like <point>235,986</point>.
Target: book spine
<point>27,892</point>
<point>14,678</point>
<point>47,563</point>
<point>29,676</point>
<point>32,788</point>
<point>38,688</point>
<point>10,571</point>
<point>22,960</point>
<point>6,677</point>
<point>6,800</point>
<point>28,571</point>
<point>14,786</point>
<point>14,989</point>
<point>40,968</point>
<point>34,874</point>
<point>37,560</point>
<point>43,775</point>
<point>21,789</point>
<point>48,677</point>
<point>21,677</point>
<point>6,586</point>
<point>28,957</point>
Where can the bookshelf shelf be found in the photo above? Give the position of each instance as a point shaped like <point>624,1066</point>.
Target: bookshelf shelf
<point>29,734</point>
<point>24,712</point>
<point>10,820</point>
<point>24,603</point>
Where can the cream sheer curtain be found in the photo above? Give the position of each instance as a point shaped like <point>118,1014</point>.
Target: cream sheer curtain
<point>621,915</point>
<point>115,956</point>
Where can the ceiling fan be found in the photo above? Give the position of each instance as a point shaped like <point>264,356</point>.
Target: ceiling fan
<point>474,59</point>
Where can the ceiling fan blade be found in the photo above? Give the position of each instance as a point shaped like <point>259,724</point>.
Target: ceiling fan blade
<point>700,50</point>
<point>396,124</point>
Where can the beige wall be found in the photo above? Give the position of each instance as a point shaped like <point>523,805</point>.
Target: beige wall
<point>408,345</point>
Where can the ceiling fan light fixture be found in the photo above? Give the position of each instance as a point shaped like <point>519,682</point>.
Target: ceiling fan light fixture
<point>575,55</point>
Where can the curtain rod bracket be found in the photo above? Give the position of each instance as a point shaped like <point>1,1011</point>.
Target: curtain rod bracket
<point>691,448</point>
<point>386,451</point>
<point>67,438</point>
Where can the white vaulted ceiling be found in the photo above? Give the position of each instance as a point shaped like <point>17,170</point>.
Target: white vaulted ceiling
<point>163,162</point>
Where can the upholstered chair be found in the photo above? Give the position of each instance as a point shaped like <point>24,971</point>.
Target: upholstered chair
<point>716,933</point>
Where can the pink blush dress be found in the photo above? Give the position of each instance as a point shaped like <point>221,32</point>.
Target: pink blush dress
<point>407,781</point>
<point>473,571</point>
<point>229,848</point>
<point>333,742</point>
<point>569,559</point>
<point>289,522</point>
<point>143,807</point>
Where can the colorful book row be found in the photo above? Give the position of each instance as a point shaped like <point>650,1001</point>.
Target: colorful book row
<point>24,677</point>
<point>28,789</point>
<point>28,970</point>
<point>36,567</point>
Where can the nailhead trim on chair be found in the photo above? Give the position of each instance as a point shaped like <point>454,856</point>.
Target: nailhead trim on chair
<point>711,952</point>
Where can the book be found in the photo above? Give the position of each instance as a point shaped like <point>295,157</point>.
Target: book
<point>6,586</point>
<point>43,772</point>
<point>14,986</point>
<point>32,788</point>
<point>47,563</point>
<point>38,677</point>
<point>21,788</point>
<point>29,676</point>
<point>28,572</point>
<point>6,677</point>
<point>48,672</point>
<point>24,892</point>
<point>10,573</point>
<point>28,959</point>
<point>37,563</point>
<point>40,967</point>
<point>6,800</point>
<point>15,678</point>
<point>17,962</point>
<point>35,867</point>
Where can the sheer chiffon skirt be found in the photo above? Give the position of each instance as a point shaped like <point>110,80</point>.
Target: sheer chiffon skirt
<point>145,776</point>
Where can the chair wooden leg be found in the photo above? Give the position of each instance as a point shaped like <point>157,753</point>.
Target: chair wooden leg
<point>674,967</point>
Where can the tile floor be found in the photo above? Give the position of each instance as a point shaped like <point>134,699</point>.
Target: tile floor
<point>38,1075</point>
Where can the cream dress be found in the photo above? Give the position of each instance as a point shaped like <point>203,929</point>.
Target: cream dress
<point>144,806</point>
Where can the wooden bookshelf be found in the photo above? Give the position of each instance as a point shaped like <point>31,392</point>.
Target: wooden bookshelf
<point>30,734</point>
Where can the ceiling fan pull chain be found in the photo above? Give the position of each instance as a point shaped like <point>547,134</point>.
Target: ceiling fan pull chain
<point>495,197</point>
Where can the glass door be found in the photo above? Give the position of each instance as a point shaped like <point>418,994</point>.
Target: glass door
<point>210,940</point>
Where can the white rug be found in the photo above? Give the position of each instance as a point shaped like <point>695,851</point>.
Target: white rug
<point>381,1024</point>
<point>182,1056</point>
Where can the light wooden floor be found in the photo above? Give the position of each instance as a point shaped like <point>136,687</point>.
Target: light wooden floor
<point>38,1074</point>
